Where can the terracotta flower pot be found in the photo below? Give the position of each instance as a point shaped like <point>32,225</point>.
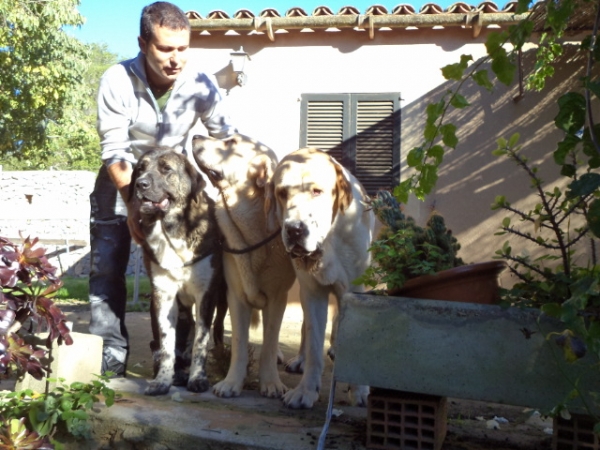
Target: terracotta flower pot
<point>472,283</point>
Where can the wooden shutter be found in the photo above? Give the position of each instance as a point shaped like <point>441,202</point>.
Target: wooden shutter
<point>377,141</point>
<point>362,131</point>
<point>325,124</point>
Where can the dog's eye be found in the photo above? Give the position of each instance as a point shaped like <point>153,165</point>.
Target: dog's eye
<point>282,195</point>
<point>214,175</point>
<point>316,192</point>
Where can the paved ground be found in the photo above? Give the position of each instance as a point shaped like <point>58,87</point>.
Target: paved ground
<point>182,420</point>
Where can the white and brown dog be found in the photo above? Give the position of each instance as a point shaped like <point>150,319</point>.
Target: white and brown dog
<point>326,227</point>
<point>258,270</point>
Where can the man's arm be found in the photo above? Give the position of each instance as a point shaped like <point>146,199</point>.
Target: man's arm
<point>120,174</point>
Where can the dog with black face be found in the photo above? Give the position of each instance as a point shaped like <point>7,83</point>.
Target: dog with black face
<point>183,258</point>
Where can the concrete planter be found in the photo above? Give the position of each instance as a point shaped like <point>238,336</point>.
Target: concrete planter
<point>456,349</point>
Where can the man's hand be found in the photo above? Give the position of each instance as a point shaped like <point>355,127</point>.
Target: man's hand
<point>120,174</point>
<point>134,222</point>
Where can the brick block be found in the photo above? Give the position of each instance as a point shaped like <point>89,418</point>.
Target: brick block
<point>77,362</point>
<point>575,434</point>
<point>405,420</point>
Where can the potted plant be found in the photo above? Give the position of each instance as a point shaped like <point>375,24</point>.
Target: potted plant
<point>423,262</point>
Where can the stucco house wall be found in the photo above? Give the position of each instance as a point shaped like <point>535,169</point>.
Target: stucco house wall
<point>406,61</point>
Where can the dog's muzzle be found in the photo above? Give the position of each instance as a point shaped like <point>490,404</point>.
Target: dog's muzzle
<point>295,234</point>
<point>150,204</point>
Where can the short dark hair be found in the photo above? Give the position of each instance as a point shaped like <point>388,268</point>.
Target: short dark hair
<point>163,14</point>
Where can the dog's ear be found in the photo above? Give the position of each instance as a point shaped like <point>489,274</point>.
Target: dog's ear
<point>261,170</point>
<point>271,207</point>
<point>196,179</point>
<point>343,190</point>
<point>134,176</point>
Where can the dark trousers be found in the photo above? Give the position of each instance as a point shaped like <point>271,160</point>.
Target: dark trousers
<point>110,248</point>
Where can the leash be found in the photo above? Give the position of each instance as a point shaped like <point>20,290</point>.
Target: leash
<point>252,247</point>
<point>235,251</point>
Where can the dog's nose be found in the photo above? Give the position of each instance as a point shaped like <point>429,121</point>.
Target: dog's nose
<point>142,183</point>
<point>295,230</point>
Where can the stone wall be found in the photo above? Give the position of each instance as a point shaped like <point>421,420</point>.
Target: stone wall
<point>53,206</point>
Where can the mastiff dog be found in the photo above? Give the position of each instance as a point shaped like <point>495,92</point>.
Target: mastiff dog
<point>326,227</point>
<point>258,270</point>
<point>183,257</point>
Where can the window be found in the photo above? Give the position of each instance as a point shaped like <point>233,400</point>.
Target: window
<point>361,131</point>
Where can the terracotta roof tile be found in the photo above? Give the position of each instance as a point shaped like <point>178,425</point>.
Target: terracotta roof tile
<point>431,8</point>
<point>403,9</point>
<point>581,19</point>
<point>322,11</point>
<point>487,7</point>
<point>194,15</point>
<point>348,11</point>
<point>376,10</point>
<point>244,14</point>
<point>217,14</point>
<point>460,8</point>
<point>296,12</point>
<point>269,12</point>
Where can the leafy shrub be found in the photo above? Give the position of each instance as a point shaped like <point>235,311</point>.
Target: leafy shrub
<point>405,250</point>
<point>28,419</point>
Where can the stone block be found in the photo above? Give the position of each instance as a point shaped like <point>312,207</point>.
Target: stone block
<point>80,361</point>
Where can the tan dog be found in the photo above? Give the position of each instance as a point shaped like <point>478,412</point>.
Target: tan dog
<point>258,270</point>
<point>326,227</point>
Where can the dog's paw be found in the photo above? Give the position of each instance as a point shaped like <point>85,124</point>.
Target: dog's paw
<point>295,365</point>
<point>198,384</point>
<point>300,398</point>
<point>180,378</point>
<point>227,389</point>
<point>358,395</point>
<point>273,389</point>
<point>157,388</point>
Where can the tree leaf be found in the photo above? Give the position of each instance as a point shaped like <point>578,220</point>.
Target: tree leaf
<point>481,77</point>
<point>459,101</point>
<point>449,135</point>
<point>571,114</point>
<point>593,217</point>
<point>585,185</point>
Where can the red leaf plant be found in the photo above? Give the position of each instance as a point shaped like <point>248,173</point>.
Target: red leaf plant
<point>27,282</point>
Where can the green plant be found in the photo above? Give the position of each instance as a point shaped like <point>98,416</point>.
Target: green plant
<point>28,283</point>
<point>561,278</point>
<point>404,250</point>
<point>63,409</point>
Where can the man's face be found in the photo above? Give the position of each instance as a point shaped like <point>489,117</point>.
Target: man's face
<point>166,55</point>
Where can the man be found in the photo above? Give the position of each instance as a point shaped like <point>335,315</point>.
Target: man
<point>153,99</point>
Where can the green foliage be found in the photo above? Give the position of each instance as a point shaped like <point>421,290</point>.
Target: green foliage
<point>405,250</point>
<point>559,280</point>
<point>502,48</point>
<point>47,100</point>
<point>27,286</point>
<point>64,408</point>
<point>76,288</point>
<point>45,64</point>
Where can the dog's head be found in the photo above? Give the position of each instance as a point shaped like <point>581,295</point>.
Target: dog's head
<point>163,180</point>
<point>307,191</point>
<point>238,162</point>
